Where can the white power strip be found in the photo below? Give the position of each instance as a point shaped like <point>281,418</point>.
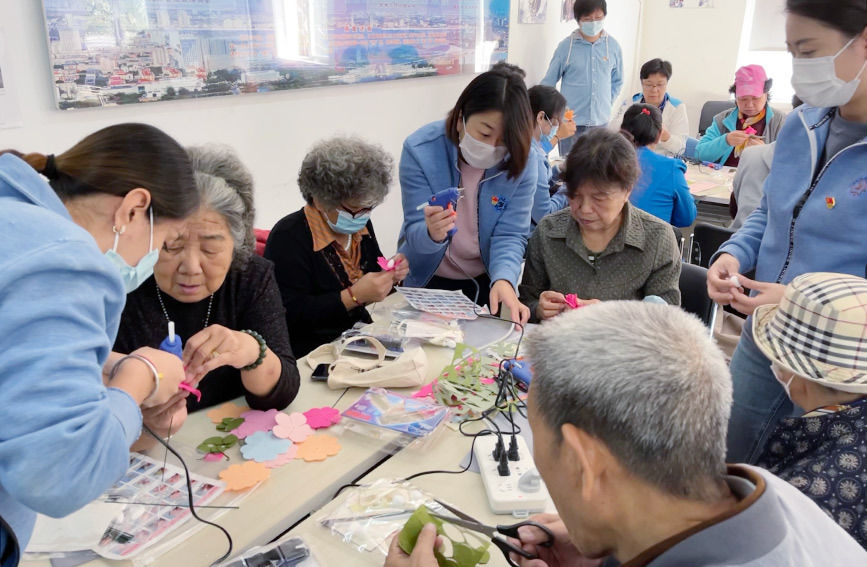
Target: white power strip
<point>522,492</point>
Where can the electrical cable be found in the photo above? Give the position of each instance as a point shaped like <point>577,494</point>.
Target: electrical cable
<point>192,506</point>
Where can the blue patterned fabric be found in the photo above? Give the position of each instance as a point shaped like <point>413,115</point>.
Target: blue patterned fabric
<point>824,455</point>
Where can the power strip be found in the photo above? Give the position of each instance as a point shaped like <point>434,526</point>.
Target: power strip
<point>522,492</point>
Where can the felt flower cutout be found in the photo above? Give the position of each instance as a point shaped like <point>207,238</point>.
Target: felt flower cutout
<point>569,114</point>
<point>217,444</point>
<point>293,427</point>
<point>226,410</point>
<point>830,202</point>
<point>245,475</point>
<point>572,301</point>
<point>255,420</point>
<point>317,418</point>
<point>191,389</point>
<point>318,448</point>
<point>230,423</point>
<point>262,446</point>
<point>385,264</point>
<point>750,131</point>
<point>284,458</point>
<point>425,391</point>
<point>214,457</point>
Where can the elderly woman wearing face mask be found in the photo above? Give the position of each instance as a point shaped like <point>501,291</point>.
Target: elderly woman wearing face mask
<point>222,299</point>
<point>326,254</point>
<point>752,122</point>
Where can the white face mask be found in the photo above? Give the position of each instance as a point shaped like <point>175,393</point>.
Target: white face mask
<point>592,28</point>
<point>778,373</point>
<point>816,82</point>
<point>134,276</point>
<point>479,154</point>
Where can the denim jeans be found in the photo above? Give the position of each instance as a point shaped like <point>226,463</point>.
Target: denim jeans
<point>759,401</point>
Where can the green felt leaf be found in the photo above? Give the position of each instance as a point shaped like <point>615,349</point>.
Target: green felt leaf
<point>230,423</point>
<point>217,444</point>
<point>463,554</point>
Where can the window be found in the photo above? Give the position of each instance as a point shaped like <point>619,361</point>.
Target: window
<point>763,42</point>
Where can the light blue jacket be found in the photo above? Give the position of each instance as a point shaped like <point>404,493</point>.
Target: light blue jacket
<point>544,203</point>
<point>809,219</point>
<point>428,164</point>
<point>590,75</point>
<point>662,190</point>
<point>713,145</point>
<point>65,437</point>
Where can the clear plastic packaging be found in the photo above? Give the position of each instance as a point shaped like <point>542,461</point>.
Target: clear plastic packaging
<point>408,422</point>
<point>367,517</point>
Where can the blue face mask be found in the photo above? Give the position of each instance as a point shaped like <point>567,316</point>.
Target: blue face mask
<point>347,224</point>
<point>134,276</point>
<point>547,140</point>
<point>593,28</point>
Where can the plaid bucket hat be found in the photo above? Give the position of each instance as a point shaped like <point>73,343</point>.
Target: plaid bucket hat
<point>819,330</point>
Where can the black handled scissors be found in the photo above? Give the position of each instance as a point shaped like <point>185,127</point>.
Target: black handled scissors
<point>509,531</point>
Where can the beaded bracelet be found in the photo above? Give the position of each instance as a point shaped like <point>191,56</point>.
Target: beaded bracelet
<point>263,348</point>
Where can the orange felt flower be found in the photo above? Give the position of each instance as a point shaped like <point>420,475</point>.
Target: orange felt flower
<point>245,475</point>
<point>318,448</point>
<point>228,409</point>
<point>569,114</point>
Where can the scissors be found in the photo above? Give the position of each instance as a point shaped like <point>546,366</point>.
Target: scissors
<point>465,521</point>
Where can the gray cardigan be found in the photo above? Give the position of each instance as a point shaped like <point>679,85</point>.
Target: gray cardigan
<point>642,259</point>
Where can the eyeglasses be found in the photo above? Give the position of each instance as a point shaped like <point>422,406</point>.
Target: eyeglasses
<point>357,212</point>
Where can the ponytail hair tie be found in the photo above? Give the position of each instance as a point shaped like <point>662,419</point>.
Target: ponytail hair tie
<point>50,169</point>
<point>645,111</point>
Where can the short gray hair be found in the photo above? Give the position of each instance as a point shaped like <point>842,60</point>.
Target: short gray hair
<point>343,169</point>
<point>646,380</point>
<point>226,186</point>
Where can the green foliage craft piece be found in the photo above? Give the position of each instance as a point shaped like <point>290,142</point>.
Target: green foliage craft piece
<point>217,444</point>
<point>230,423</point>
<point>472,551</point>
<point>465,385</point>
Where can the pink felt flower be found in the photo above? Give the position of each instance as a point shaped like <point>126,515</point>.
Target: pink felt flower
<point>425,391</point>
<point>255,420</point>
<point>293,427</point>
<point>572,301</point>
<point>284,458</point>
<point>317,418</point>
<point>385,264</point>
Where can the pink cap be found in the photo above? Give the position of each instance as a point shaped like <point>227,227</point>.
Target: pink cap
<point>750,81</point>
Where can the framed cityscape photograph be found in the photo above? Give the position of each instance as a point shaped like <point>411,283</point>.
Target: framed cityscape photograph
<point>111,52</point>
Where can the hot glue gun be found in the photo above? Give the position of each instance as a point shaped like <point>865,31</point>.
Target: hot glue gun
<point>443,199</point>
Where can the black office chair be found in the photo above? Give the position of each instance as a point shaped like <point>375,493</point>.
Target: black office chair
<point>693,294</point>
<point>705,240</point>
<point>710,109</point>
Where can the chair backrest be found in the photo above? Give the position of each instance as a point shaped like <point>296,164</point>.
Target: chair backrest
<point>705,241</point>
<point>693,293</point>
<point>710,109</point>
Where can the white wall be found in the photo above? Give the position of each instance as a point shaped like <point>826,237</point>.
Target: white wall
<point>702,45</point>
<point>271,132</point>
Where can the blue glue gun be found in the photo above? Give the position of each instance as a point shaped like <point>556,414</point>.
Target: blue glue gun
<point>520,369</point>
<point>712,165</point>
<point>443,199</point>
<point>172,343</point>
